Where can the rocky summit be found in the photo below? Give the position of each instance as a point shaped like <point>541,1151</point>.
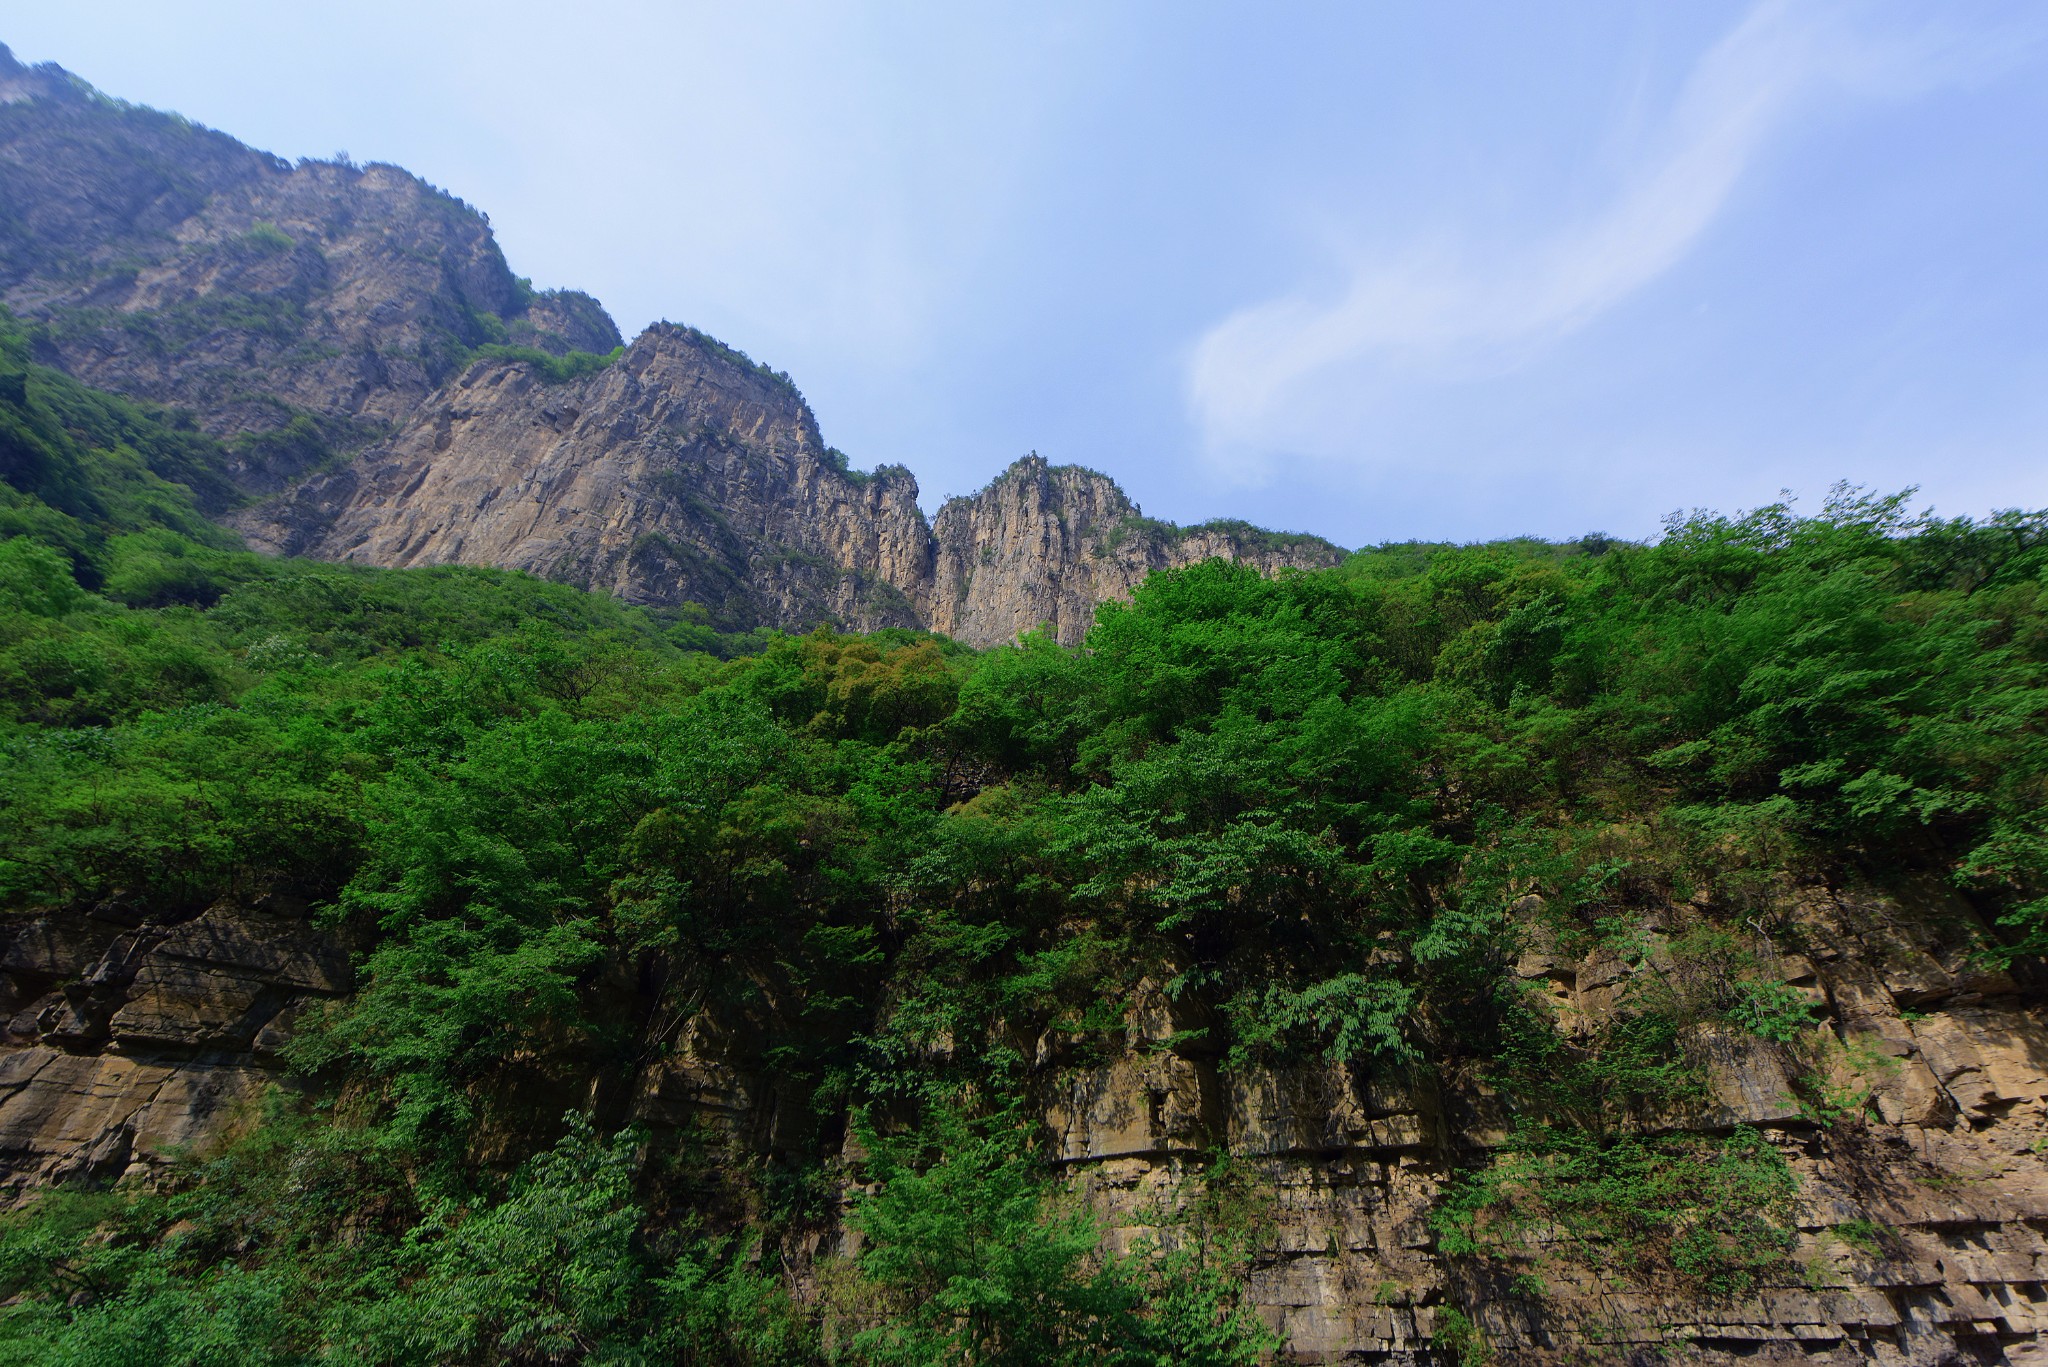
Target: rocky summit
<point>684,473</point>
<point>391,394</point>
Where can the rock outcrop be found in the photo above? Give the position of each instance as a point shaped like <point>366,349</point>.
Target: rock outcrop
<point>1922,1203</point>
<point>1043,544</point>
<point>1914,1118</point>
<point>686,473</point>
<point>170,262</point>
<point>131,1037</point>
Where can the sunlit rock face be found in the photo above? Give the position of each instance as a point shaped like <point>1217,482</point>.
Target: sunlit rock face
<point>1043,544</point>
<point>325,320</point>
<point>684,473</point>
<point>679,473</point>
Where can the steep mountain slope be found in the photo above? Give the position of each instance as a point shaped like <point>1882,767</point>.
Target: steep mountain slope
<point>682,473</point>
<point>686,473</point>
<point>309,313</point>
<point>172,263</point>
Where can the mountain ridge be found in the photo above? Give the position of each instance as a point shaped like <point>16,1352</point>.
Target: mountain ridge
<point>356,338</point>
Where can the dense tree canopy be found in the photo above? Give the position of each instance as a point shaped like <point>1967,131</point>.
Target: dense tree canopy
<point>1319,804</point>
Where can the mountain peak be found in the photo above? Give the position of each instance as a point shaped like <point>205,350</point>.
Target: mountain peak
<point>396,396</point>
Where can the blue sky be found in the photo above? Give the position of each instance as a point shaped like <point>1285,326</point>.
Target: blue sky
<point>1372,270</point>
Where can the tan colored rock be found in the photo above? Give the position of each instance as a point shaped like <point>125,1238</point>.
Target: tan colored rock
<point>1044,544</point>
<point>190,1006</point>
<point>684,474</point>
<point>277,950</point>
<point>70,1114</point>
<point>55,947</point>
<point>1140,1104</point>
<point>1748,1082</point>
<point>178,265</point>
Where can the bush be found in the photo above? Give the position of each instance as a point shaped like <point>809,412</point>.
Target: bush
<point>1715,1212</point>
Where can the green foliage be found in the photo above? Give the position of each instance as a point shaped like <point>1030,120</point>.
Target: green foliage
<point>973,1259</point>
<point>553,369</point>
<point>1358,1016</point>
<point>268,238</point>
<point>1717,1213</point>
<point>1630,1066</point>
<point>1315,820</point>
<point>1771,1011</point>
<point>1458,1338</point>
<point>299,1245</point>
<point>1866,1236</point>
<point>973,1266</point>
<point>78,465</point>
<point>551,1271</point>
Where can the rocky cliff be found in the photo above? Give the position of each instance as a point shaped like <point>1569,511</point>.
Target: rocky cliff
<point>681,473</point>
<point>1922,1204</point>
<point>686,473</point>
<point>170,262</point>
<point>1046,543</point>
<point>309,313</point>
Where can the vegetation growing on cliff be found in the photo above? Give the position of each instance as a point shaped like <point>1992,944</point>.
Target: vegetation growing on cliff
<point>909,883</point>
<point>571,365</point>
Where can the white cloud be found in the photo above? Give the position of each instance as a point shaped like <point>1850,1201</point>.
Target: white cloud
<point>1291,372</point>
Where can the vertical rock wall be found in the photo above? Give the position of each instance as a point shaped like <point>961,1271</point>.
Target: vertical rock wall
<point>1044,544</point>
<point>686,474</point>
<point>1922,1205</point>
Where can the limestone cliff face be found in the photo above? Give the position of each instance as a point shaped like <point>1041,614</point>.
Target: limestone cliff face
<point>679,473</point>
<point>313,312</point>
<point>130,1037</point>
<point>1044,544</point>
<point>686,473</point>
<point>172,263</point>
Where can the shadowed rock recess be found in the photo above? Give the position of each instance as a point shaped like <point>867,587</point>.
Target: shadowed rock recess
<point>391,395</point>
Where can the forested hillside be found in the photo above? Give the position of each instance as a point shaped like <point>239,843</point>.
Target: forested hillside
<point>714,996</point>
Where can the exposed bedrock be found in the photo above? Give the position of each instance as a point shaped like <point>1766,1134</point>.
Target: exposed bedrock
<point>684,473</point>
<point>131,1039</point>
<point>349,333</point>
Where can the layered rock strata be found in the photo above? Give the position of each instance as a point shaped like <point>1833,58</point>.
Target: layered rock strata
<point>131,1037</point>
<point>1914,1118</point>
<point>1921,1207</point>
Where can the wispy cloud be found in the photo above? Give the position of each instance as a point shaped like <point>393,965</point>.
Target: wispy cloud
<point>1288,372</point>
